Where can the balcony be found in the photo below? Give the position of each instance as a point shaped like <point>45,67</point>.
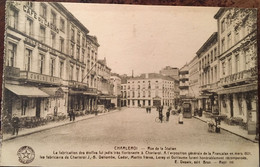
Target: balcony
<point>39,78</point>
<point>76,84</point>
<point>12,72</point>
<point>243,76</point>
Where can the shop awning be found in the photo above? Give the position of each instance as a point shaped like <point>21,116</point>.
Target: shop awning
<point>90,93</point>
<point>238,89</point>
<point>53,91</point>
<point>107,97</point>
<point>28,91</point>
<point>74,92</point>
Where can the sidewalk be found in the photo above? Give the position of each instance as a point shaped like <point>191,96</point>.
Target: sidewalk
<point>50,125</point>
<point>232,129</point>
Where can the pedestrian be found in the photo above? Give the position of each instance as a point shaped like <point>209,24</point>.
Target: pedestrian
<point>160,113</point>
<point>73,115</point>
<point>150,110</point>
<point>180,118</point>
<point>167,115</point>
<point>70,115</point>
<point>147,109</point>
<point>15,124</point>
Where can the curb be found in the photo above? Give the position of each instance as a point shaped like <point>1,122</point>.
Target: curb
<point>66,123</point>
<point>254,141</point>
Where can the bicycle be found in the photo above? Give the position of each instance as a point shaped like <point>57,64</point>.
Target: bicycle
<point>157,119</point>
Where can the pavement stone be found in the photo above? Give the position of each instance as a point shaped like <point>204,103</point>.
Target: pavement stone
<point>232,129</point>
<point>50,125</point>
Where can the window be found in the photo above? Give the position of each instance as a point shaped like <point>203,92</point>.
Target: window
<point>43,11</point>
<point>77,53</point>
<point>83,41</point>
<point>211,56</point>
<point>61,44</point>
<point>88,52</point>
<point>62,25</point>
<point>42,34</point>
<point>13,18</point>
<point>215,54</point>
<point>237,63</point>
<point>229,66</point>
<point>61,68</point>
<point>229,40</point>
<point>82,74</point>
<point>78,37</point>
<point>92,54</point>
<point>72,49</point>
<point>28,59</point>
<point>216,73</point>
<point>11,55</point>
<point>52,66</point>
<point>223,45</point>
<point>77,74</point>
<point>53,18</point>
<point>223,68</point>
<point>143,93</point>
<point>72,37</point>
<point>223,25</point>
<point>71,72</point>
<point>41,63</point>
<point>82,55</point>
<point>53,40</point>
<point>29,27</point>
<point>236,35</point>
<point>133,94</point>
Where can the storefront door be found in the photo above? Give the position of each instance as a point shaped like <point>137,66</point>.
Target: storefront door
<point>38,107</point>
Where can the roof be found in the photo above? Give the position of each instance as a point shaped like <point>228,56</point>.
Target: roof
<point>28,91</point>
<point>210,40</point>
<point>71,16</point>
<point>218,14</point>
<point>152,76</point>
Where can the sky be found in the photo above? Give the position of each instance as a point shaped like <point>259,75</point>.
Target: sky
<point>146,38</point>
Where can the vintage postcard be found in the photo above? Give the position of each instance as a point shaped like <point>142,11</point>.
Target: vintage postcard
<point>129,85</point>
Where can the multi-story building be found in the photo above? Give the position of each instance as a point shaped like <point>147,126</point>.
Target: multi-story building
<point>237,40</point>
<point>208,74</point>
<point>184,81</point>
<point>116,82</point>
<point>194,82</point>
<point>124,89</point>
<point>47,68</point>
<point>170,71</point>
<point>150,89</point>
<point>105,87</point>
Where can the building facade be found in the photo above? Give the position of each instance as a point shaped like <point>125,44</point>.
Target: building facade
<point>105,87</point>
<point>208,74</point>
<point>116,82</point>
<point>170,71</point>
<point>49,62</point>
<point>194,84</point>
<point>238,65</point>
<point>150,89</point>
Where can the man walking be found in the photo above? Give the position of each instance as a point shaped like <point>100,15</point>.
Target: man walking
<point>15,123</point>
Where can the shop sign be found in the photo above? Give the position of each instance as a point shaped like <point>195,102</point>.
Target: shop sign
<point>42,20</point>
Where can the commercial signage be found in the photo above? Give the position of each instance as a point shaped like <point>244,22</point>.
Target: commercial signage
<point>42,20</point>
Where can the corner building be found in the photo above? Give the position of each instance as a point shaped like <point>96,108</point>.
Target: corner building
<point>49,62</point>
<point>237,88</point>
<point>150,89</point>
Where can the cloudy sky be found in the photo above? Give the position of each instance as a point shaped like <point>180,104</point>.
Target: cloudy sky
<point>146,38</point>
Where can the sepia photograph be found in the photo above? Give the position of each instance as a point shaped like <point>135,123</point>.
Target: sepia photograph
<point>89,84</point>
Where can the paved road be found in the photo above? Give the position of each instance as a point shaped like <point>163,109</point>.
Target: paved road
<point>128,127</point>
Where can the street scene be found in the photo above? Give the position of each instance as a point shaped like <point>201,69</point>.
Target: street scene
<point>139,129</point>
<point>122,83</point>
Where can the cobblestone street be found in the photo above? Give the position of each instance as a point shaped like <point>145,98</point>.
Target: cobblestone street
<point>129,127</point>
